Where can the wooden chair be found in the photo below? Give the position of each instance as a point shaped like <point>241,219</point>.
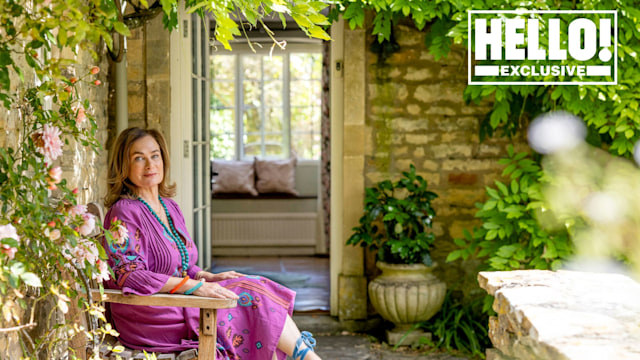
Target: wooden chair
<point>208,306</point>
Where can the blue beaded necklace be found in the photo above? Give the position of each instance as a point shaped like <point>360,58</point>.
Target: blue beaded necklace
<point>184,255</point>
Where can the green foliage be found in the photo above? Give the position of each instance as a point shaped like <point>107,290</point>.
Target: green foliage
<point>511,236</point>
<point>31,31</point>
<point>44,239</point>
<point>44,247</point>
<point>459,326</point>
<point>421,12</point>
<point>610,111</point>
<point>397,216</point>
<point>231,16</point>
<point>45,243</point>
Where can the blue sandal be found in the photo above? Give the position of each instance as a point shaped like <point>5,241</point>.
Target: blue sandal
<point>306,338</point>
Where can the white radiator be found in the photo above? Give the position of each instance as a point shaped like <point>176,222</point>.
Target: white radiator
<point>237,234</point>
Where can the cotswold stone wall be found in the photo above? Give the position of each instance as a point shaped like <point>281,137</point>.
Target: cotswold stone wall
<point>82,168</point>
<point>148,78</point>
<point>416,115</point>
<point>568,315</point>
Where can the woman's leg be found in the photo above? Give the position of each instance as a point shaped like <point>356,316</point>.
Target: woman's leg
<point>289,337</point>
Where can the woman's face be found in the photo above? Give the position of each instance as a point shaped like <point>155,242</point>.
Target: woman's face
<point>146,168</point>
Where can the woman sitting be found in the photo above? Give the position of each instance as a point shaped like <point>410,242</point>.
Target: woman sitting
<point>152,252</point>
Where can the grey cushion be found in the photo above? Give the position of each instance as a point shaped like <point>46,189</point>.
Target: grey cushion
<point>234,177</point>
<point>276,176</point>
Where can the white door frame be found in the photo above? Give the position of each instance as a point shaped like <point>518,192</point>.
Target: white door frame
<point>181,134</point>
<point>180,123</point>
<point>337,126</point>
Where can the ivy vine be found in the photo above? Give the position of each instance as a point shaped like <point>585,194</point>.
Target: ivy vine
<point>610,111</point>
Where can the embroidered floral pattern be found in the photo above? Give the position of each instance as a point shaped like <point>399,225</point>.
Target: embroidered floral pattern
<point>245,299</point>
<point>237,340</point>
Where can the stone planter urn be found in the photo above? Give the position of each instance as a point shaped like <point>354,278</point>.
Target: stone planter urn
<point>406,294</point>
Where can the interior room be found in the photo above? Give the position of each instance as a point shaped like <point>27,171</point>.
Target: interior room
<point>267,106</point>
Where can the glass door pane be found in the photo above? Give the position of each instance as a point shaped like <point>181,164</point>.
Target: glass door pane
<point>200,141</point>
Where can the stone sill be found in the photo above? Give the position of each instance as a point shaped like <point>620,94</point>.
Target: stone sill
<point>563,315</point>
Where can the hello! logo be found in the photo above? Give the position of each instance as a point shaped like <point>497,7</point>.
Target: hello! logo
<point>542,47</point>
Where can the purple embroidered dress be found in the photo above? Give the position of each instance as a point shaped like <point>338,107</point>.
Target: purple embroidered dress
<point>142,266</point>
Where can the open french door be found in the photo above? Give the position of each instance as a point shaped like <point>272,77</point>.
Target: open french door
<point>189,135</point>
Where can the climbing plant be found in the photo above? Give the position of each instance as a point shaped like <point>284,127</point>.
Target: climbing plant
<point>610,111</point>
<point>233,17</point>
<point>48,250</point>
<point>511,236</point>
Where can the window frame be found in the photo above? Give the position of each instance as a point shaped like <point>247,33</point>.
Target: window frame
<point>243,49</point>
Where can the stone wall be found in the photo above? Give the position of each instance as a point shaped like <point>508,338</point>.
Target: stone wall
<point>416,115</point>
<point>563,315</point>
<point>82,167</point>
<point>148,71</point>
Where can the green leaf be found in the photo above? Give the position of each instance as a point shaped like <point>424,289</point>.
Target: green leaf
<point>5,58</point>
<point>502,187</point>
<point>514,186</point>
<point>490,204</point>
<point>490,226</point>
<point>17,269</point>
<point>31,279</point>
<point>460,242</point>
<point>354,15</point>
<point>121,28</point>
<point>493,193</point>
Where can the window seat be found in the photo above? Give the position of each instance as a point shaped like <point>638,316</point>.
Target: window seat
<point>269,224</point>
<point>261,196</point>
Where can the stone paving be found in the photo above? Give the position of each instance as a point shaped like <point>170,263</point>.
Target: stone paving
<point>348,346</point>
<point>333,343</point>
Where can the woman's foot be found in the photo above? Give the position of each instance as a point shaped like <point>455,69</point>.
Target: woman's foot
<point>304,346</point>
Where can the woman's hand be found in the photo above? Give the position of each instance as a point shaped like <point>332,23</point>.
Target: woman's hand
<point>212,289</point>
<point>210,277</point>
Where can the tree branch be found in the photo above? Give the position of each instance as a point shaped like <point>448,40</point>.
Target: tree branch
<point>18,328</point>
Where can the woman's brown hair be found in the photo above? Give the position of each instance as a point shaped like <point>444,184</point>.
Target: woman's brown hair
<point>118,183</point>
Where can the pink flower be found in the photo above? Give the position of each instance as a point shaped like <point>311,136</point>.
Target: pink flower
<point>8,231</point>
<point>78,255</point>
<point>84,251</point>
<point>81,116</point>
<point>97,82</point>
<point>95,70</point>
<point>66,252</point>
<point>53,234</point>
<point>55,176</point>
<point>77,210</point>
<point>9,251</point>
<point>48,142</point>
<point>88,225</point>
<point>103,268</point>
<point>120,233</point>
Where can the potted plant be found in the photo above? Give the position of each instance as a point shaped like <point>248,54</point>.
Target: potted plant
<point>396,223</point>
